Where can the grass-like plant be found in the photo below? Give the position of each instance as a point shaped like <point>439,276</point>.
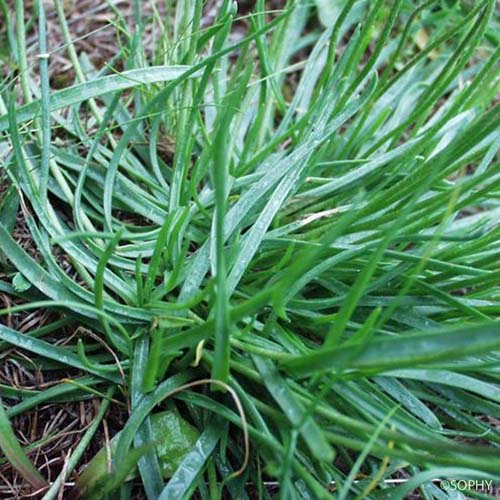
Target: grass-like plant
<point>282,232</point>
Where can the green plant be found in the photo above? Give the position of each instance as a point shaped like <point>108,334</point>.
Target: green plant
<point>308,216</point>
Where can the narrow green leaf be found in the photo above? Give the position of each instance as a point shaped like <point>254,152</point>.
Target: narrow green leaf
<point>181,483</point>
<point>15,454</point>
<point>308,428</point>
<point>95,88</point>
<point>401,351</point>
